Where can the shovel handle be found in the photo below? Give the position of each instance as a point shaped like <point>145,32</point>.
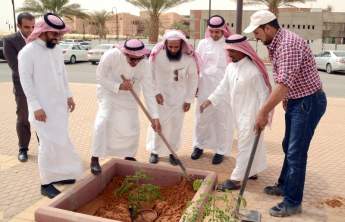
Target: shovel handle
<point>184,171</point>
<point>246,176</point>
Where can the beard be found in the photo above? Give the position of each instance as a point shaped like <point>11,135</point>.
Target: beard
<point>50,44</point>
<point>174,57</point>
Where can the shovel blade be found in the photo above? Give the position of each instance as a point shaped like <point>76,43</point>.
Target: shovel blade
<point>249,216</point>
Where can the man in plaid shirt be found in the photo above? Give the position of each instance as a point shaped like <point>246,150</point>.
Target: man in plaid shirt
<point>299,87</point>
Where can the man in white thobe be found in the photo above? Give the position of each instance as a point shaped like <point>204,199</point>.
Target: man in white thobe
<point>246,86</point>
<point>174,68</point>
<point>44,80</point>
<point>117,127</point>
<point>213,129</point>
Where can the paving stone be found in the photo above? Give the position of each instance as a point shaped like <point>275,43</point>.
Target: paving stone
<point>325,169</point>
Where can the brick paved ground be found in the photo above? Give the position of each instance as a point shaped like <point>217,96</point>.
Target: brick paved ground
<point>19,186</point>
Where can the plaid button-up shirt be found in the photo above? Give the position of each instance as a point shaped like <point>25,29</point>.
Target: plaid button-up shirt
<point>293,64</point>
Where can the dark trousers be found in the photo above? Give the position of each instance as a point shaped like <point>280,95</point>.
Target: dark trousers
<point>23,125</point>
<point>301,118</point>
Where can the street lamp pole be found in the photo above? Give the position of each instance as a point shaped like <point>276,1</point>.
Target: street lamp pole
<point>117,22</point>
<point>239,14</point>
<point>14,17</point>
<point>209,8</point>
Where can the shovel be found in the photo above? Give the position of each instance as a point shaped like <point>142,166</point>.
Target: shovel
<point>179,162</point>
<point>248,215</point>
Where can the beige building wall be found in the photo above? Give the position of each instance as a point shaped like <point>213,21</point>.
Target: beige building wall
<point>309,24</point>
<point>127,25</point>
<point>167,20</point>
<point>80,26</point>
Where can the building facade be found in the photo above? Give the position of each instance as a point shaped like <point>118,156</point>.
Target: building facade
<point>311,24</point>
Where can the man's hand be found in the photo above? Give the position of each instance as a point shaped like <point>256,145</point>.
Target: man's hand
<point>186,107</point>
<point>261,121</point>
<point>126,85</point>
<point>284,103</point>
<point>160,99</point>
<point>71,104</point>
<point>204,105</point>
<point>156,126</point>
<point>40,115</point>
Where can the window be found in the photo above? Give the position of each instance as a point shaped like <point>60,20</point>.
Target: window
<point>293,26</point>
<point>303,26</point>
<point>288,26</point>
<point>326,54</point>
<point>308,26</point>
<point>298,26</point>
<point>232,24</point>
<point>312,27</point>
<point>283,25</point>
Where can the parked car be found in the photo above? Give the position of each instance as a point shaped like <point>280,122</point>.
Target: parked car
<point>72,40</point>
<point>2,56</point>
<point>86,44</point>
<point>95,54</point>
<point>331,61</point>
<point>74,53</point>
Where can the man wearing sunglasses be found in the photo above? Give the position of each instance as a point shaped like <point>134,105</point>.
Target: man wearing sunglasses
<point>174,68</point>
<point>117,125</point>
<point>44,80</point>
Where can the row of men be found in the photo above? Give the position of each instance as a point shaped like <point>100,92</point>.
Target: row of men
<point>234,92</point>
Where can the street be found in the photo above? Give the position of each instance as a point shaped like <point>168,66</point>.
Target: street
<point>333,84</point>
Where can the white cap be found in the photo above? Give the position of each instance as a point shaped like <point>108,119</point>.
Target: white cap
<point>259,18</point>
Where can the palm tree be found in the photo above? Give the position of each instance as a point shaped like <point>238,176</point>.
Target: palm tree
<point>154,9</point>
<point>273,5</point>
<point>60,7</point>
<point>98,19</point>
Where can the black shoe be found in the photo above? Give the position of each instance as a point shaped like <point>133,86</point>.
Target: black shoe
<point>62,182</point>
<point>254,177</point>
<point>154,158</point>
<point>95,167</point>
<point>197,153</point>
<point>173,161</point>
<point>282,210</point>
<point>274,190</point>
<point>49,191</point>
<point>130,158</point>
<point>217,159</point>
<point>228,185</point>
<point>23,156</point>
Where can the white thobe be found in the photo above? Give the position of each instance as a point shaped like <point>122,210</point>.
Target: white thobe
<point>117,128</point>
<point>176,90</point>
<point>44,80</point>
<point>245,89</point>
<point>213,128</point>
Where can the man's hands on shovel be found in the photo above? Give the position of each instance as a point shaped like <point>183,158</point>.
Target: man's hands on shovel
<point>156,126</point>
<point>204,105</point>
<point>127,84</point>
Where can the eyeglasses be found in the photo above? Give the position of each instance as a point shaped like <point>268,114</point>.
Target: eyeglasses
<point>176,75</point>
<point>134,59</point>
<point>55,34</point>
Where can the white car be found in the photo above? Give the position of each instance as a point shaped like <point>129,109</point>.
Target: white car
<point>74,53</point>
<point>95,54</point>
<point>330,61</point>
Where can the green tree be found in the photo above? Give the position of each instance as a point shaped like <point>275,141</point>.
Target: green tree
<point>154,9</point>
<point>98,19</point>
<point>183,26</point>
<point>273,5</point>
<point>60,7</point>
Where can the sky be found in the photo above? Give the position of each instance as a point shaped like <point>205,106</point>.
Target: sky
<point>6,16</point>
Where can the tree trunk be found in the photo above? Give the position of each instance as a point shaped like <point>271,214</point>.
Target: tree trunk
<point>274,10</point>
<point>154,28</point>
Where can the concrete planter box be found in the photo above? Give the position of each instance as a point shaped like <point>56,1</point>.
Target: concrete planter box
<point>61,208</point>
